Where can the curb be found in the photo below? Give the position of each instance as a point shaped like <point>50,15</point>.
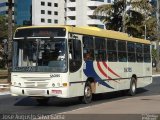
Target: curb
<point>157,75</point>
<point>5,93</point>
<point>4,85</point>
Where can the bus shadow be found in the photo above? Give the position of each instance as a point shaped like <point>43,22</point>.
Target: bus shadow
<point>98,98</point>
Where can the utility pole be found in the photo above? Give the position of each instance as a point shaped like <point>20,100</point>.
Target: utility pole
<point>10,27</point>
<point>158,36</point>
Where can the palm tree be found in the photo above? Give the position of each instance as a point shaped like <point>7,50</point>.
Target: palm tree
<point>132,21</point>
<point>3,28</point>
<point>10,25</point>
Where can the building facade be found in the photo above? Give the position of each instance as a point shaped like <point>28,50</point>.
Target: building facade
<point>80,12</point>
<point>3,7</point>
<point>39,12</point>
<point>23,12</point>
<point>47,12</point>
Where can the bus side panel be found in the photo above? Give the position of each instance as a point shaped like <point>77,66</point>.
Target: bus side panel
<point>147,75</point>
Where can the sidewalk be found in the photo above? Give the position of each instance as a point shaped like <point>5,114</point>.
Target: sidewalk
<point>4,86</point>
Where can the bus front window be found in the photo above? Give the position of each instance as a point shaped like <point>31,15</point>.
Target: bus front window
<point>40,55</point>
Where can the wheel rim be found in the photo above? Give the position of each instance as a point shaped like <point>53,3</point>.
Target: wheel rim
<point>133,87</point>
<point>87,91</point>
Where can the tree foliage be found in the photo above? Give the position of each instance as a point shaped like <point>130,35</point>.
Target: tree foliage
<point>133,19</point>
<point>3,27</point>
<point>3,41</point>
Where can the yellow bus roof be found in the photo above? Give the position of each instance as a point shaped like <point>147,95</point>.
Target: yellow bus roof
<point>95,32</point>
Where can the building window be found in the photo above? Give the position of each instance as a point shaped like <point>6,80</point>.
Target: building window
<point>42,20</point>
<point>49,4</point>
<point>109,1</point>
<point>49,21</point>
<point>42,11</point>
<point>49,12</point>
<point>55,21</point>
<point>55,13</point>
<point>43,3</point>
<point>55,4</point>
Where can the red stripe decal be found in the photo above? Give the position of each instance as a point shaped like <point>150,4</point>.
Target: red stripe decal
<point>100,69</point>
<point>106,66</point>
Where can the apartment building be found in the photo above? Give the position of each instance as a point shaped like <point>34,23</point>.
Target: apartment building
<point>3,7</point>
<point>47,12</point>
<point>80,12</point>
<point>39,12</point>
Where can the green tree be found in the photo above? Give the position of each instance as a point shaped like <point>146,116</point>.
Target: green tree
<point>3,35</point>
<point>132,21</point>
<point>3,28</point>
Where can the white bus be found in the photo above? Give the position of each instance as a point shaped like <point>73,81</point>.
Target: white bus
<point>66,61</point>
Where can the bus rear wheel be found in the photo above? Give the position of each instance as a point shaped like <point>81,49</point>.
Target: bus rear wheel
<point>87,98</point>
<point>133,86</point>
<point>42,101</point>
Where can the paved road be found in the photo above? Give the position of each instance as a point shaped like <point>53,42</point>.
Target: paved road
<point>26,105</point>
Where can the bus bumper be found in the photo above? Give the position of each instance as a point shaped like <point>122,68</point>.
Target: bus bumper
<point>33,92</point>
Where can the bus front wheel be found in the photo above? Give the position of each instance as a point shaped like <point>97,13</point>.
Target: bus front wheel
<point>87,98</point>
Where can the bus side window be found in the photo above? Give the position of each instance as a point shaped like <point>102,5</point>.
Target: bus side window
<point>88,48</point>
<point>100,49</point>
<point>139,52</point>
<point>131,52</point>
<point>147,53</point>
<point>112,50</point>
<point>122,51</point>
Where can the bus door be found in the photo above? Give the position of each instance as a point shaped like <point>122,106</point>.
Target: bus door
<point>75,60</point>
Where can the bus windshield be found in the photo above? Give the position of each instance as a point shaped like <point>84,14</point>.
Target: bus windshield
<point>41,54</point>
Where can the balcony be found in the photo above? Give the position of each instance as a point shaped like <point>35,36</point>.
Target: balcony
<point>71,13</point>
<point>71,4</point>
<point>94,3</point>
<point>90,12</point>
<point>94,22</point>
<point>71,22</point>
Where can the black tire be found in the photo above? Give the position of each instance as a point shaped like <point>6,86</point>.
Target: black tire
<point>133,87</point>
<point>87,98</point>
<point>42,101</point>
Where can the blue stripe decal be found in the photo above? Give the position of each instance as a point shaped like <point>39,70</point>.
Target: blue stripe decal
<point>90,72</point>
